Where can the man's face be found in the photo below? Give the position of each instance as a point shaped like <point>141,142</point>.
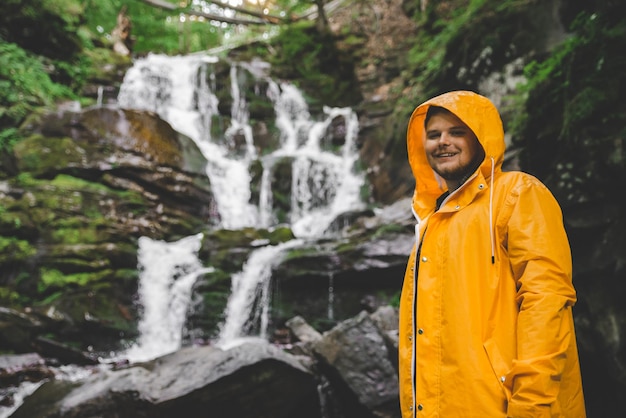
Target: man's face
<point>451,148</point>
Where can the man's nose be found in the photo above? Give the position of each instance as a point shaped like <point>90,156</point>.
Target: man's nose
<point>444,138</point>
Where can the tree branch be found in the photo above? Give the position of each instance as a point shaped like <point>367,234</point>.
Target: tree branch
<point>162,4</point>
<point>263,19</point>
<point>269,18</point>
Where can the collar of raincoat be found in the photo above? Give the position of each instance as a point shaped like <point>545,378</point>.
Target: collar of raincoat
<point>481,115</point>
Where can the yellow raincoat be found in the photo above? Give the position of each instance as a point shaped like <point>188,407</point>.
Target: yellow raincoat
<point>486,326</point>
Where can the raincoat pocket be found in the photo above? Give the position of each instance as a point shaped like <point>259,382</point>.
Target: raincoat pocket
<point>500,367</point>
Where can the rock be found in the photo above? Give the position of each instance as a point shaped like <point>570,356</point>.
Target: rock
<point>63,353</point>
<point>356,358</point>
<point>303,331</point>
<point>124,149</point>
<point>18,368</point>
<point>18,371</point>
<point>94,181</point>
<point>254,379</point>
<point>17,330</point>
<point>386,319</point>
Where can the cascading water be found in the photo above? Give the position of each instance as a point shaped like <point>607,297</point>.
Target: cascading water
<point>182,91</point>
<point>324,182</point>
<point>175,88</point>
<point>168,272</point>
<point>249,301</point>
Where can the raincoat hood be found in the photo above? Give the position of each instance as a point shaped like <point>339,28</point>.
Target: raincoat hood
<point>482,117</point>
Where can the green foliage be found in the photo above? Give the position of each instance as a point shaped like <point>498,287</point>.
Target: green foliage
<point>9,297</point>
<point>43,47</point>
<point>24,86</point>
<point>43,27</point>
<point>300,48</point>
<point>8,137</point>
<point>460,44</point>
<point>153,29</point>
<point>574,127</point>
<point>429,54</point>
<point>47,31</point>
<point>73,74</point>
<point>303,53</point>
<point>395,300</point>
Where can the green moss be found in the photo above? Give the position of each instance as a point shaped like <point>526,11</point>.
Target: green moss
<point>457,46</point>
<point>79,197</point>
<point>301,252</point>
<point>10,220</point>
<point>389,229</point>
<point>52,278</point>
<point>573,128</point>
<point>38,154</point>
<point>74,183</point>
<point>281,234</point>
<point>15,250</point>
<point>213,302</point>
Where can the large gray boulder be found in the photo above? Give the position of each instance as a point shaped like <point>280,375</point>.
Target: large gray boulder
<point>255,379</point>
<point>358,362</point>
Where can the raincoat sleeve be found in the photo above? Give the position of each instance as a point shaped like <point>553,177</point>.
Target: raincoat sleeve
<point>541,261</point>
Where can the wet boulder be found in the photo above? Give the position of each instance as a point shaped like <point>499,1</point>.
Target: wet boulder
<point>253,379</point>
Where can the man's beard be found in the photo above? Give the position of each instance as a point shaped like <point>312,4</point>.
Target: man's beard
<point>461,176</point>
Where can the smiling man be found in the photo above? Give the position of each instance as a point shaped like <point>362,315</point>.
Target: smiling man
<point>486,326</point>
<point>452,149</point>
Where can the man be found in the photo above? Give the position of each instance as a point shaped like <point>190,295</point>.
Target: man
<point>486,327</point>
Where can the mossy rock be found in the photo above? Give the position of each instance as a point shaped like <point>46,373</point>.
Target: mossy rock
<point>40,155</point>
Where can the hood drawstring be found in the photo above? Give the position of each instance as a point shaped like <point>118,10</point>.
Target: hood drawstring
<point>491,227</point>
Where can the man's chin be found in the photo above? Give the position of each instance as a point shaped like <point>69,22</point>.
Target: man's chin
<point>449,175</point>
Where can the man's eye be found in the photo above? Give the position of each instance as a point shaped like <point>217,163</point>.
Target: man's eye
<point>457,132</point>
<point>432,135</point>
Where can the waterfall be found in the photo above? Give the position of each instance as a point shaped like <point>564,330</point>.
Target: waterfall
<point>167,274</point>
<point>248,306</point>
<point>99,99</point>
<point>324,182</point>
<point>239,114</point>
<point>176,89</point>
<point>321,151</point>
<point>320,177</point>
